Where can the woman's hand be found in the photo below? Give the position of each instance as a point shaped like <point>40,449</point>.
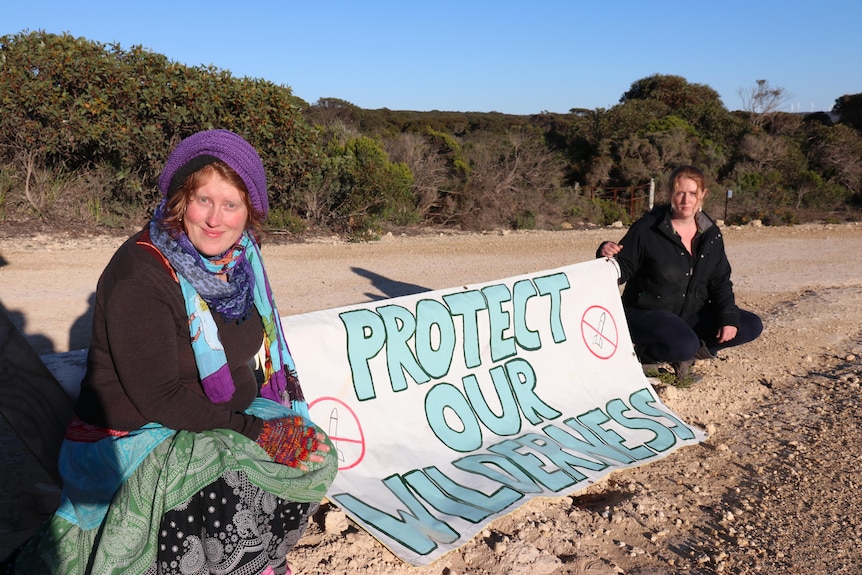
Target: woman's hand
<point>726,333</point>
<point>289,441</point>
<point>609,249</point>
<point>316,456</point>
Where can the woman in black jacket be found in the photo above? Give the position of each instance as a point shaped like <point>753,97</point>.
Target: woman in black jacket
<point>678,296</point>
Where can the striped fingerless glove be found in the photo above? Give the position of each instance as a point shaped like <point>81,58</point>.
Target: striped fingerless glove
<point>288,440</point>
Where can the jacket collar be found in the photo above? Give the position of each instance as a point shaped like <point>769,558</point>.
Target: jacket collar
<point>662,213</point>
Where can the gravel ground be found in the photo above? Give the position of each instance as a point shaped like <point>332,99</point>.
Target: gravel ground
<point>773,489</point>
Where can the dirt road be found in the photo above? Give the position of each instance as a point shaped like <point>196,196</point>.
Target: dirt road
<point>773,490</point>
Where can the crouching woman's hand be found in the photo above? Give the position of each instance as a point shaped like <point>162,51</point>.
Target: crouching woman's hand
<point>290,441</point>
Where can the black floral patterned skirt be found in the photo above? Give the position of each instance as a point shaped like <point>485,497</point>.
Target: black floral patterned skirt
<point>230,526</point>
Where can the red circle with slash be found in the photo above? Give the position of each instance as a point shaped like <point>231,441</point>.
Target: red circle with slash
<point>599,330</point>
<point>342,426</point>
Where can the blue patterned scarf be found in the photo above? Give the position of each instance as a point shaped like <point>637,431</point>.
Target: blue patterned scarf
<point>247,285</point>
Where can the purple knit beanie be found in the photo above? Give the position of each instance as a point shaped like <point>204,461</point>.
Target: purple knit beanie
<point>203,148</point>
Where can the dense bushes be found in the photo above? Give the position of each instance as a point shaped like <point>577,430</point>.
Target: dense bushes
<point>70,106</point>
<point>85,128</point>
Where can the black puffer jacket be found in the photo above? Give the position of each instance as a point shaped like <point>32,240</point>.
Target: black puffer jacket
<point>659,273</point>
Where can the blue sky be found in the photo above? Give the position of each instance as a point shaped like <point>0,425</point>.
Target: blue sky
<point>510,56</point>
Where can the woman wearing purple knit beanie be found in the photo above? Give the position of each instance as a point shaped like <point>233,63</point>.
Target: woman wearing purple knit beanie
<point>183,458</point>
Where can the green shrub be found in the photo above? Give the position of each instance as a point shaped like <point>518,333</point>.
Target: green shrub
<point>612,211</point>
<point>282,219</point>
<point>526,220</point>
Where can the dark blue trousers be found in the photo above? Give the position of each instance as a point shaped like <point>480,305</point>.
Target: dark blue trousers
<point>662,336</point>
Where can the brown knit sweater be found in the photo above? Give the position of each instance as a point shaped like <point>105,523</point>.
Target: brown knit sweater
<point>141,367</point>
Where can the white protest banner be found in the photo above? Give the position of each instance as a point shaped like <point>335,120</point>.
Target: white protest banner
<point>451,408</point>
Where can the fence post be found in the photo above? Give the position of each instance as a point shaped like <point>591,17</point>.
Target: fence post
<point>727,196</point>
<point>651,192</point>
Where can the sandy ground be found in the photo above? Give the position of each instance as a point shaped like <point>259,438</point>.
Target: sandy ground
<point>773,490</point>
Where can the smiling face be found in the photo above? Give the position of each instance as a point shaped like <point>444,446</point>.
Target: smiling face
<point>686,198</point>
<point>215,216</point>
